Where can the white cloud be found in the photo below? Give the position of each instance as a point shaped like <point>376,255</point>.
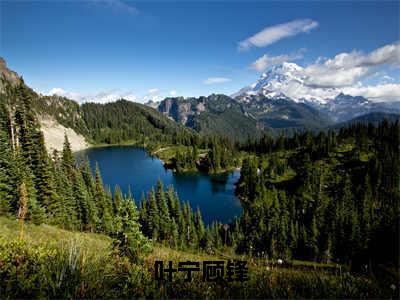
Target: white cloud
<point>57,91</point>
<point>267,61</point>
<point>388,78</point>
<point>216,80</point>
<point>383,77</point>
<point>272,34</point>
<point>173,93</point>
<point>100,97</point>
<point>380,92</point>
<point>120,6</point>
<point>345,69</point>
<point>350,73</point>
<point>153,91</point>
<point>153,95</point>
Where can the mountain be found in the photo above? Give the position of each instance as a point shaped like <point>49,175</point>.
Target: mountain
<point>261,107</point>
<point>89,123</point>
<point>374,118</point>
<point>215,114</point>
<point>152,104</point>
<point>123,120</point>
<point>282,113</point>
<point>345,107</point>
<point>8,75</point>
<point>57,116</point>
<point>287,81</point>
<point>243,117</point>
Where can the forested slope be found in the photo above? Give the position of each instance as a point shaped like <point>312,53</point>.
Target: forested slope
<point>123,121</point>
<point>111,123</point>
<point>326,197</point>
<point>216,114</point>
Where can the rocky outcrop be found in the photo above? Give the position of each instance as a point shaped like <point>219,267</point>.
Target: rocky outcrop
<point>6,74</point>
<point>51,112</point>
<point>54,133</point>
<point>177,109</point>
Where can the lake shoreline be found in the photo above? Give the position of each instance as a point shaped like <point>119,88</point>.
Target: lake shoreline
<point>154,153</point>
<point>132,167</point>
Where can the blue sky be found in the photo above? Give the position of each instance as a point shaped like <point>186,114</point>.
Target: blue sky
<point>152,49</point>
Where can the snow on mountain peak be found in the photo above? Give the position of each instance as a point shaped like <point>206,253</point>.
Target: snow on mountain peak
<point>287,80</point>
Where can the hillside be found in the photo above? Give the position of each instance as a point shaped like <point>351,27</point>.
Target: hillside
<point>124,120</point>
<point>284,114</point>
<point>286,185</point>
<point>372,118</point>
<point>56,263</point>
<point>344,108</point>
<point>215,114</point>
<point>90,123</point>
<point>239,119</point>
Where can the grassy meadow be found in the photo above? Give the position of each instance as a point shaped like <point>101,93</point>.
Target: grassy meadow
<point>50,262</point>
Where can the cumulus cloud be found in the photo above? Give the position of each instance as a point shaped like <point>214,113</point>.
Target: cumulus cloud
<point>345,69</point>
<point>173,93</point>
<point>380,92</point>
<point>100,97</point>
<point>216,80</point>
<point>350,73</point>
<point>266,61</point>
<point>273,34</point>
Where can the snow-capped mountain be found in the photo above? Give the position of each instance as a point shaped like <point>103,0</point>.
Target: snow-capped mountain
<point>288,81</point>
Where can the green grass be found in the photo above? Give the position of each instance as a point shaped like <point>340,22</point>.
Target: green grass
<point>344,148</point>
<point>167,153</point>
<point>288,175</point>
<point>53,237</point>
<point>55,263</point>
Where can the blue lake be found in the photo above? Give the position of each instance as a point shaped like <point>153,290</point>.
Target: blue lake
<point>129,166</point>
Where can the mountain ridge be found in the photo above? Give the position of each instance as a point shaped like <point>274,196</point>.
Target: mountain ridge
<point>89,123</point>
<point>288,81</point>
<point>248,115</point>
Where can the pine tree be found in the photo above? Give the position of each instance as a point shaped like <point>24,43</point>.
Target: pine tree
<point>312,244</point>
<point>129,215</point>
<point>87,177</point>
<point>200,228</point>
<point>117,198</point>
<point>153,216</point>
<point>66,208</point>
<point>7,177</point>
<point>134,241</point>
<point>164,219</point>
<point>143,216</point>
<point>68,160</point>
<point>103,204</point>
<point>366,213</point>
<point>42,169</point>
<point>171,202</point>
<point>84,206</point>
<point>27,125</point>
<point>174,238</point>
